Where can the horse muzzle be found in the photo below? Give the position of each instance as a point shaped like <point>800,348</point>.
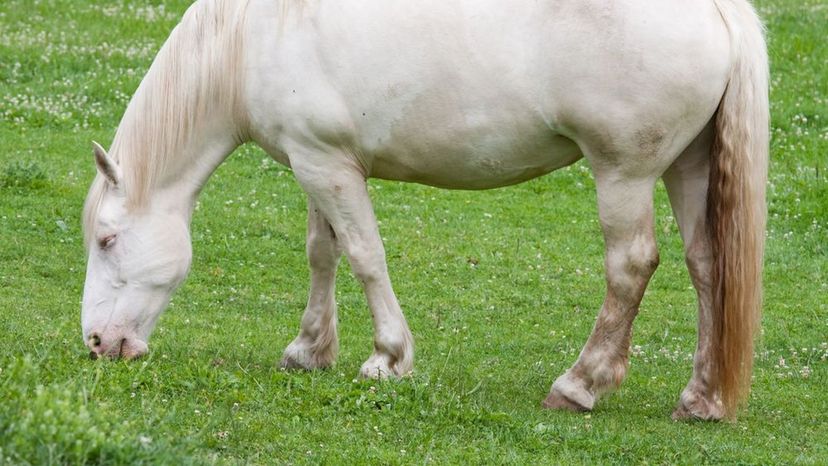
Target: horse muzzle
<point>121,347</point>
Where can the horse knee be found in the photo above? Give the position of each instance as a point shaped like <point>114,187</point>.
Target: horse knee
<point>322,249</point>
<point>643,256</point>
<point>699,260</point>
<point>368,265</point>
<point>321,258</point>
<point>630,268</point>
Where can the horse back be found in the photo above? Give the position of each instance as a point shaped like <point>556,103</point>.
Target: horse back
<point>476,94</point>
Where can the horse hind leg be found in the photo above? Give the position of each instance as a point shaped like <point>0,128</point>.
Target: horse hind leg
<point>625,208</point>
<point>686,182</point>
<point>316,345</point>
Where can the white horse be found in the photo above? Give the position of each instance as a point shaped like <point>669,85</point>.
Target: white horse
<point>466,94</point>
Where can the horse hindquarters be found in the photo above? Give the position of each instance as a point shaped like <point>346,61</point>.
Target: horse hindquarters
<point>736,209</point>
<point>687,184</point>
<point>717,189</point>
<point>723,227</point>
<point>625,208</point>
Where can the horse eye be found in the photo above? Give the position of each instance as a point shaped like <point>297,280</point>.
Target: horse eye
<point>106,241</point>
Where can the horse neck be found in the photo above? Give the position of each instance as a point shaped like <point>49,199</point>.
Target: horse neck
<point>171,170</point>
<point>179,188</point>
<point>185,119</point>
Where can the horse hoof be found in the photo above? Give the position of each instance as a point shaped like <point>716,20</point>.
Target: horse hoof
<point>569,393</point>
<point>682,413</point>
<point>695,408</point>
<point>298,359</point>
<point>290,363</point>
<point>559,401</point>
<point>382,365</point>
<point>377,367</point>
<point>376,372</point>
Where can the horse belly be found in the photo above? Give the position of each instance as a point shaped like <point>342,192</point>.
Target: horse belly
<point>481,161</point>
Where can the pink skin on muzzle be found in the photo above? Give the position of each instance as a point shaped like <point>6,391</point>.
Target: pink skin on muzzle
<point>127,348</point>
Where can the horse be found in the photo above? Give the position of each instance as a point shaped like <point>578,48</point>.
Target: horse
<point>458,94</point>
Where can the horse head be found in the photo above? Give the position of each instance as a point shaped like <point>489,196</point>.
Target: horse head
<point>137,257</point>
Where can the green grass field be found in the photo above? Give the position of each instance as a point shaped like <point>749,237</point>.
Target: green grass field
<point>500,289</point>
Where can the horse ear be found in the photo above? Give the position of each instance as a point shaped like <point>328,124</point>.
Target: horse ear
<point>106,166</point>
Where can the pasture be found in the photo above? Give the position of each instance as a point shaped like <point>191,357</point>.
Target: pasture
<point>500,289</point>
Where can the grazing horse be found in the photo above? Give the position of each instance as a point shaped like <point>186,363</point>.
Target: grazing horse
<point>463,94</point>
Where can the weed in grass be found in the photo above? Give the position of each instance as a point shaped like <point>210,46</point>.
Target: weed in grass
<point>59,424</point>
<point>23,175</point>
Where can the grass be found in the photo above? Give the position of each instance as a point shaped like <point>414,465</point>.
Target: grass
<point>500,289</point>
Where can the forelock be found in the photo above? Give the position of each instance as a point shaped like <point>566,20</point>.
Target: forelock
<point>91,209</point>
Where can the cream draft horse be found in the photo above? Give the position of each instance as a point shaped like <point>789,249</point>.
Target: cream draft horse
<point>464,94</point>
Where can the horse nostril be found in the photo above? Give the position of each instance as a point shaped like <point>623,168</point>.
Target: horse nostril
<point>95,340</point>
<point>93,355</point>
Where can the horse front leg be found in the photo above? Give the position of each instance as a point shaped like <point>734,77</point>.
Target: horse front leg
<point>339,191</point>
<point>316,345</point>
<point>626,213</point>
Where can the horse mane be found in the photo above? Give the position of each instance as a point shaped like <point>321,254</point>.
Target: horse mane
<point>196,72</point>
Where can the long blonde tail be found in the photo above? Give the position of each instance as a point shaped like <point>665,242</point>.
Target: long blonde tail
<point>736,206</point>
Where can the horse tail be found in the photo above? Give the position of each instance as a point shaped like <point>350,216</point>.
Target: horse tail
<point>736,208</point>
